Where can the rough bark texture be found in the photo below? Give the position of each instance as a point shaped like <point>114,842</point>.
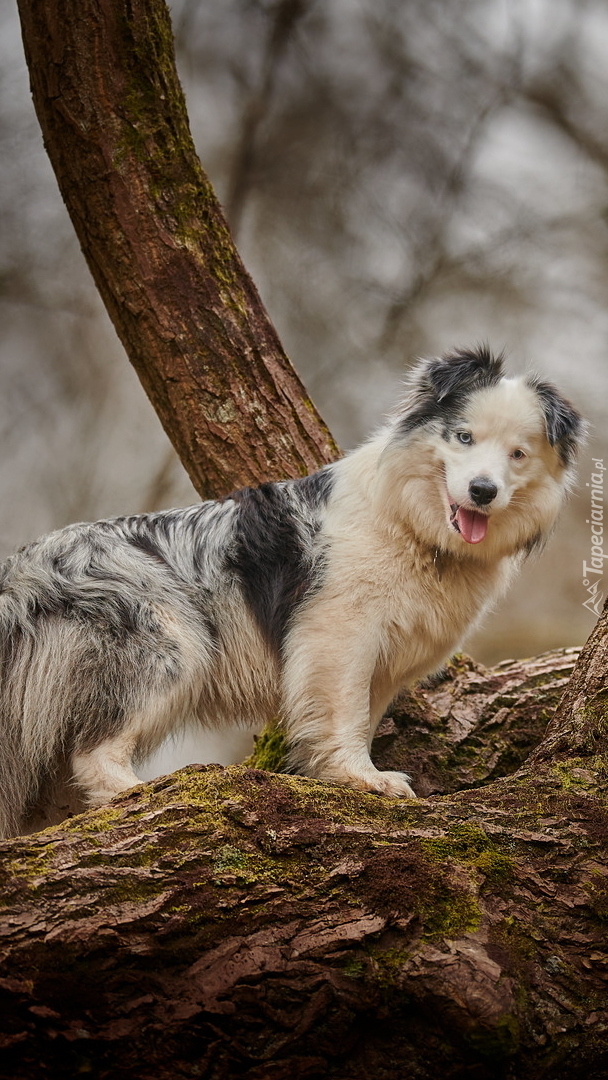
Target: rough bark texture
<point>231,922</point>
<point>473,725</point>
<point>116,130</point>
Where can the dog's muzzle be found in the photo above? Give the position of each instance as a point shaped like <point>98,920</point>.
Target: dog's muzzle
<point>482,490</point>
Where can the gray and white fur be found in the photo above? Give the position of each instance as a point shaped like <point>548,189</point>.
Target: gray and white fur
<point>312,599</point>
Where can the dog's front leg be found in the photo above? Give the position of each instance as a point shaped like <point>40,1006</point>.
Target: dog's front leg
<point>326,688</point>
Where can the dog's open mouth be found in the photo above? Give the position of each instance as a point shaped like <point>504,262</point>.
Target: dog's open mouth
<point>471,525</point>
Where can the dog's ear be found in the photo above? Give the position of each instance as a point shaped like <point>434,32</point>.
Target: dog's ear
<point>436,386</point>
<point>565,427</point>
<point>463,371</point>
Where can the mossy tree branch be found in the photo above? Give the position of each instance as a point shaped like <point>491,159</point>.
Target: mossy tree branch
<point>228,922</point>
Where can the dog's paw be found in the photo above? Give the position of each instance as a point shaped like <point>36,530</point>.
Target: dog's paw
<point>365,777</point>
<point>393,784</point>
<point>396,784</point>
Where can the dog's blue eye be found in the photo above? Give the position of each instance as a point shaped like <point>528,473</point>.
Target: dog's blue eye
<point>464,437</point>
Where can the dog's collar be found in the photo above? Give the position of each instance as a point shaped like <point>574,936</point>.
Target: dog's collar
<point>438,560</point>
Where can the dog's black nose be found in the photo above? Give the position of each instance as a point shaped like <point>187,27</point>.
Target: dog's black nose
<point>482,490</point>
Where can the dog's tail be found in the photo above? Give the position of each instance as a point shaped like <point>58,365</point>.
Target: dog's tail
<point>33,661</point>
<point>18,772</point>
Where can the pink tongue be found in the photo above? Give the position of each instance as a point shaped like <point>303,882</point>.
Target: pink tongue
<point>473,526</point>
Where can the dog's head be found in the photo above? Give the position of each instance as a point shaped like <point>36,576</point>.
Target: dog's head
<point>489,458</point>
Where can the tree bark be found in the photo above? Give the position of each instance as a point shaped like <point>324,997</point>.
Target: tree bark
<point>116,130</point>
<point>473,724</point>
<point>232,922</point>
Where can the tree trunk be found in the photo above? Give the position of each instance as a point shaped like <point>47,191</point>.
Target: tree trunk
<point>116,130</point>
<point>231,922</point>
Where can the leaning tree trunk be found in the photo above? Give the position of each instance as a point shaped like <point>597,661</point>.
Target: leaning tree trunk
<point>234,923</point>
<point>116,130</point>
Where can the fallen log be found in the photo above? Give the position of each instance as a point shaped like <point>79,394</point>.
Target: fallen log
<point>231,922</point>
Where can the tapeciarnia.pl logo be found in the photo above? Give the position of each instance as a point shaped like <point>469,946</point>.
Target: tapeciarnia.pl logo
<point>593,571</point>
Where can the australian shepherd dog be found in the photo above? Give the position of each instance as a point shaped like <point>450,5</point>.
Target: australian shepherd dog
<point>313,600</point>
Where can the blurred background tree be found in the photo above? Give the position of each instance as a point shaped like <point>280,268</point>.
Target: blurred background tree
<point>401,176</point>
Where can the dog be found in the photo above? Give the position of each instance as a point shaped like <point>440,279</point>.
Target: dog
<point>313,599</point>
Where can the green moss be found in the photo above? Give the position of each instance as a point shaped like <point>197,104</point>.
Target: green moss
<point>32,862</point>
<point>444,909</point>
<point>569,780</point>
<point>595,721</point>
<point>270,750</point>
<point>449,914</point>
<point>344,805</point>
<point>495,866</point>
<point>464,842</point>
<point>354,968</point>
<point>387,965</point>
<point>131,889</point>
<point>516,940</point>
<point>230,858</point>
<point>94,821</point>
<point>582,774</point>
<point>153,132</point>
<point>469,845</point>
